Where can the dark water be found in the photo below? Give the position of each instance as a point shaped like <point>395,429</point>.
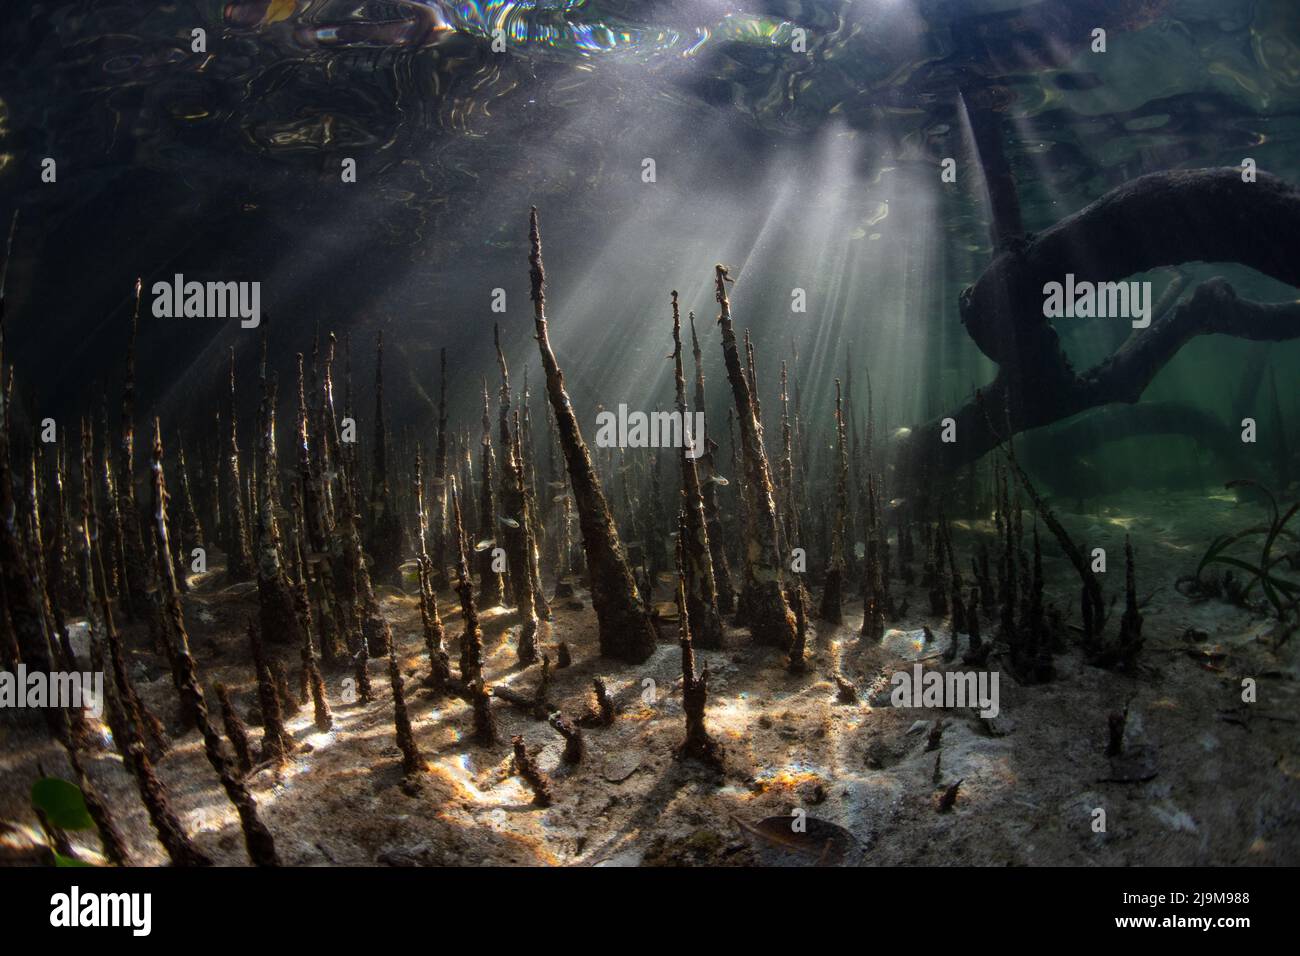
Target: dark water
<point>814,170</point>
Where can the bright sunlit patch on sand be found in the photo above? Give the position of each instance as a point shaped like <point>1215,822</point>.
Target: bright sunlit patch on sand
<point>320,740</point>
<point>787,777</point>
<point>731,718</point>
<point>909,645</point>
<point>485,787</point>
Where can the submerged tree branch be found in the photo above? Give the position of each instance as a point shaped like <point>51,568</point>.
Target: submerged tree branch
<point>1162,219</point>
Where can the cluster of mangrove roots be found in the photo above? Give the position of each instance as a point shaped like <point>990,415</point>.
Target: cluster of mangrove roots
<point>801,532</point>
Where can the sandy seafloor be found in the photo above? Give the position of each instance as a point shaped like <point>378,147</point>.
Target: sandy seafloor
<point>1224,783</point>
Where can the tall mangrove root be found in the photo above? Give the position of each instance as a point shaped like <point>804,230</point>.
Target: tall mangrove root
<point>763,597</point>
<point>693,530</point>
<point>515,519</point>
<point>625,630</point>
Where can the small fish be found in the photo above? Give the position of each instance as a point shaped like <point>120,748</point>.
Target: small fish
<point>717,480</point>
<point>485,544</point>
<point>557,484</point>
<point>560,498</point>
<point>508,522</point>
<point>860,550</point>
<point>438,482</point>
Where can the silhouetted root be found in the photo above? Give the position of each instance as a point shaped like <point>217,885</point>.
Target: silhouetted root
<point>1160,219</point>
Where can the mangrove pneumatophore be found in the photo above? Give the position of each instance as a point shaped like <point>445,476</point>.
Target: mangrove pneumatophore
<point>278,615</point>
<point>239,550</point>
<point>471,639</point>
<point>693,530</point>
<point>705,465</point>
<point>491,584</point>
<point>526,766</point>
<point>257,838</point>
<point>625,629</point>
<point>31,641</point>
<point>430,618</point>
<point>698,745</point>
<point>572,734</point>
<point>873,572</point>
<point>832,607</point>
<point>797,662</point>
<point>763,596</point>
<point>514,520</point>
<point>116,850</point>
<point>384,544</point>
<point>620,618</point>
<point>277,742</point>
<point>236,732</point>
<point>133,725</point>
<point>140,581</point>
<point>412,760</point>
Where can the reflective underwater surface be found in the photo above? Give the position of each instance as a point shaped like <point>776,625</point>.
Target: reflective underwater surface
<point>813,170</point>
